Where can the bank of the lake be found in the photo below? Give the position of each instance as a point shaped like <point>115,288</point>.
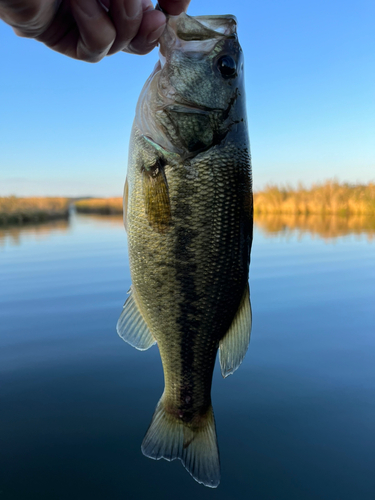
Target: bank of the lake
<point>103,206</point>
<point>328,198</point>
<point>15,210</point>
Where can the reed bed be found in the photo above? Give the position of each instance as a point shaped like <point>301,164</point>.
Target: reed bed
<point>330,197</point>
<point>104,206</point>
<point>14,210</point>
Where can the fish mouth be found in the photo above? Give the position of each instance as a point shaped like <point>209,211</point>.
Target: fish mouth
<point>189,33</point>
<point>201,28</point>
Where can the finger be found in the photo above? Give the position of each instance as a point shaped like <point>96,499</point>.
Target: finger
<point>30,18</point>
<point>147,5</point>
<point>174,7</point>
<point>151,29</point>
<point>62,34</point>
<point>126,16</point>
<point>96,30</point>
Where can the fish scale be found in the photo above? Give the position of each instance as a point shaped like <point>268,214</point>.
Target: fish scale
<point>188,214</point>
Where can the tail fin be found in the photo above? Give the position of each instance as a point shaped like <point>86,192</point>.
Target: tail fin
<point>197,449</point>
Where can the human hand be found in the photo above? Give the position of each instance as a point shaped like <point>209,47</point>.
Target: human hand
<point>90,29</point>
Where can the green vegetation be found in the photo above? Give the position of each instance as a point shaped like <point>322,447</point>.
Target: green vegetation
<point>328,198</point>
<point>15,210</point>
<point>104,206</point>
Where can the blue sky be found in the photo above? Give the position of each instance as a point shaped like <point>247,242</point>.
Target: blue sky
<point>310,85</point>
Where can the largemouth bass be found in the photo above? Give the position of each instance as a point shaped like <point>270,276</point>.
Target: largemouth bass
<point>188,212</point>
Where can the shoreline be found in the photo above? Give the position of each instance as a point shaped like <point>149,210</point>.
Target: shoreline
<point>327,199</point>
<point>21,211</point>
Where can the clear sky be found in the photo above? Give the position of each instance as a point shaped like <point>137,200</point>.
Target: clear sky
<point>310,85</point>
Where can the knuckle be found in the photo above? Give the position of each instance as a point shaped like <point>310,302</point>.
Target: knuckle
<point>28,20</point>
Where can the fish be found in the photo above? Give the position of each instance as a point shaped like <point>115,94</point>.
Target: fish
<point>188,213</point>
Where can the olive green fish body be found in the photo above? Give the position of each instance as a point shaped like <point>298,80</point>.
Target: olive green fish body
<point>190,277</point>
<point>188,211</point>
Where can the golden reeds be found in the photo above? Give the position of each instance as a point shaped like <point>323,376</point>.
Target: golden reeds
<point>14,210</point>
<point>330,197</point>
<point>104,206</point>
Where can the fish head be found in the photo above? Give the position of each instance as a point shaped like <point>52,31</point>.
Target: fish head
<point>201,60</point>
<point>194,96</point>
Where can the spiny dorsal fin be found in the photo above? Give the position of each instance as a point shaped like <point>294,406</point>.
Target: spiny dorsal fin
<point>132,327</point>
<point>196,447</point>
<point>234,344</point>
<point>157,203</point>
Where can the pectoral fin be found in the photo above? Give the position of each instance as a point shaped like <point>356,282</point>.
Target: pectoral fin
<point>132,327</point>
<point>156,196</point>
<point>234,344</point>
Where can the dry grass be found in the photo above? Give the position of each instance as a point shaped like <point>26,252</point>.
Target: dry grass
<point>328,198</point>
<point>104,206</point>
<point>15,210</point>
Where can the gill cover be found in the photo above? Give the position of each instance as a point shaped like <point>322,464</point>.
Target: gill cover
<point>188,104</point>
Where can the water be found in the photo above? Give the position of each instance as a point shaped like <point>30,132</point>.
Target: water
<point>296,421</point>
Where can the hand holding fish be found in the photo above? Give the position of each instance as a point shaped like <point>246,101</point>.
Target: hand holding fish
<point>90,29</point>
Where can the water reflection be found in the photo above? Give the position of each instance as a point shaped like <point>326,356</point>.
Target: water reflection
<point>13,235</point>
<point>113,220</point>
<point>294,422</point>
<point>326,227</point>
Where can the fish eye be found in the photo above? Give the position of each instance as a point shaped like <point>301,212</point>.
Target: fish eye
<point>227,66</point>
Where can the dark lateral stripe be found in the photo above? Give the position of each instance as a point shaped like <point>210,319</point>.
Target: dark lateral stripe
<point>185,269</point>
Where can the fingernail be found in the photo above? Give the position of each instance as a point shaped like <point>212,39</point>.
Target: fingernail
<point>155,35</point>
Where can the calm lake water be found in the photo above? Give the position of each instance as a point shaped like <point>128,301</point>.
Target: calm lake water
<point>296,421</point>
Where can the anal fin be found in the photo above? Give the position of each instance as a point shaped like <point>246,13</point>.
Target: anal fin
<point>132,327</point>
<point>234,344</point>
